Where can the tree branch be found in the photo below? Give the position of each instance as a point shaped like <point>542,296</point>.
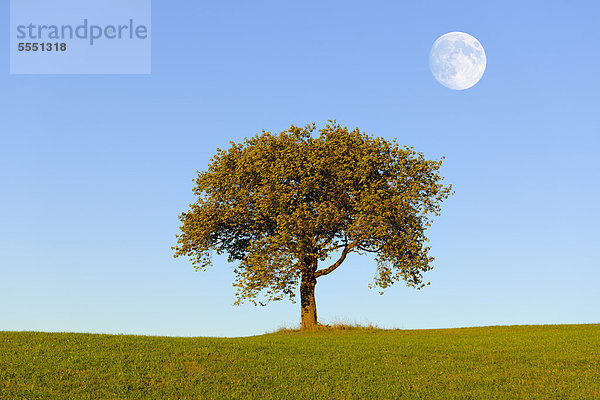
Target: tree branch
<point>370,251</point>
<point>339,262</point>
<point>338,247</point>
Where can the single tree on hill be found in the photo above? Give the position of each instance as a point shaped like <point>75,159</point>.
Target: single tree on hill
<point>282,204</point>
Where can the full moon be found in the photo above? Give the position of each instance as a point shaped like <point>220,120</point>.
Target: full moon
<point>457,60</point>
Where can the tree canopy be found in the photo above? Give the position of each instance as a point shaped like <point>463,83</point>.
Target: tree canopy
<point>280,204</point>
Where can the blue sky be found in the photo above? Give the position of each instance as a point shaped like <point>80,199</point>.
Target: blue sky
<point>95,169</point>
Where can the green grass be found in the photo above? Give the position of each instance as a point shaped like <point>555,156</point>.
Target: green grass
<point>512,362</point>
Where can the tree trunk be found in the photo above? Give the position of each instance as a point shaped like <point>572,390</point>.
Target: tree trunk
<point>308,306</point>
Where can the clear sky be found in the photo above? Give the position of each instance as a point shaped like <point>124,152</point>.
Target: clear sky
<point>95,169</point>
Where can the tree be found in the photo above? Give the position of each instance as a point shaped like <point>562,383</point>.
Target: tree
<point>280,204</point>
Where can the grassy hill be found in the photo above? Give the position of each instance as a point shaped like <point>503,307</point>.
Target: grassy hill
<point>512,362</point>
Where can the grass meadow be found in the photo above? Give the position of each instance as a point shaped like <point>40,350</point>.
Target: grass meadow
<point>341,362</point>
